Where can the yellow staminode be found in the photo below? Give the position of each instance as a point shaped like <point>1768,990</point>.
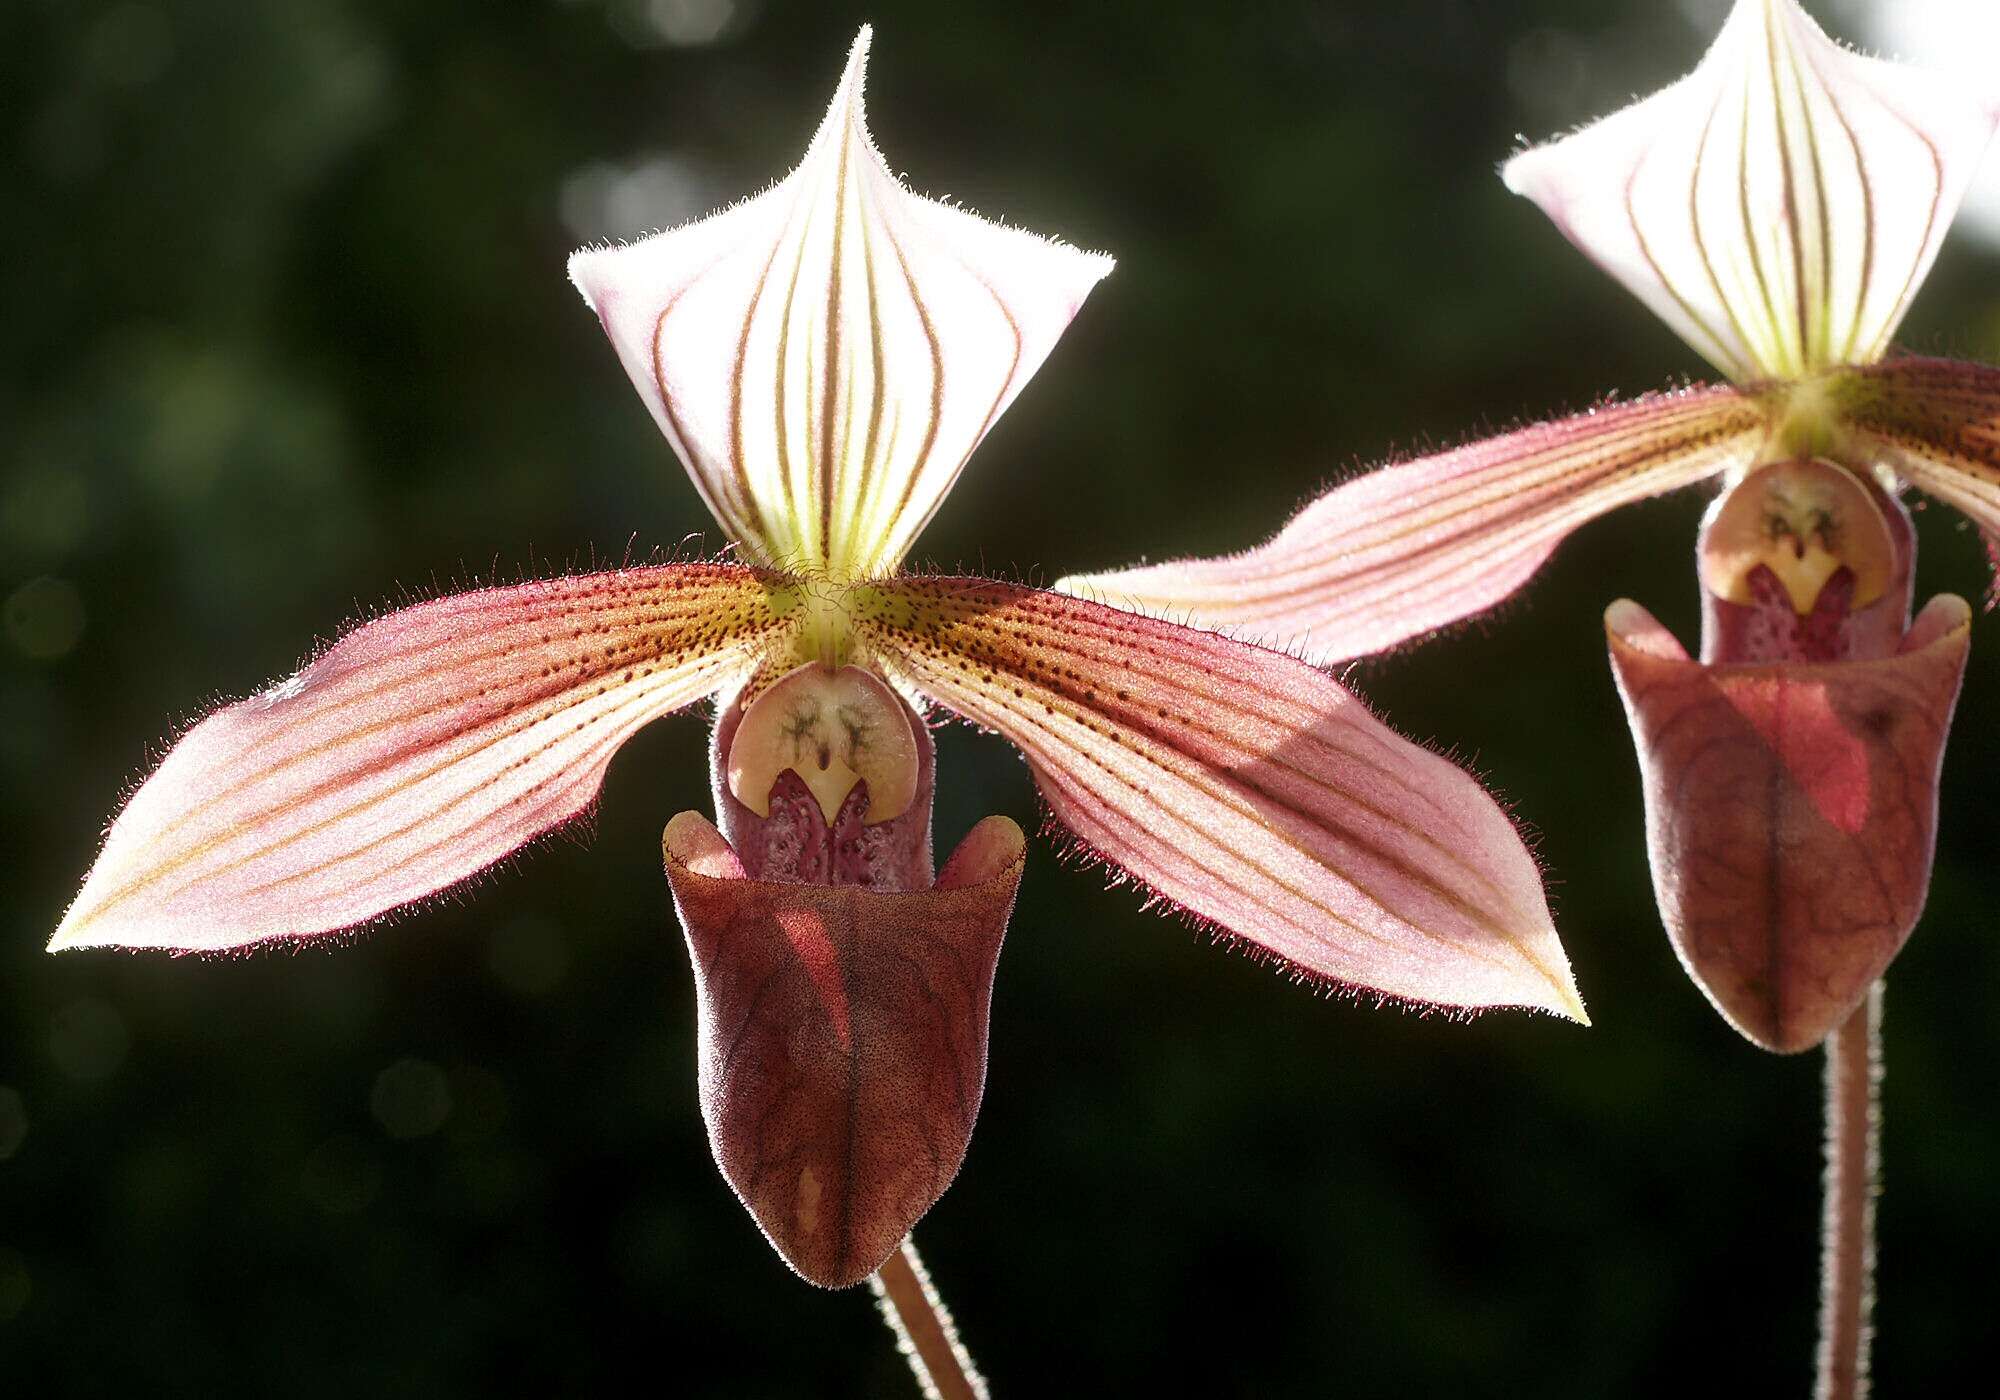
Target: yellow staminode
<point>834,729</point>
<point>1804,521</point>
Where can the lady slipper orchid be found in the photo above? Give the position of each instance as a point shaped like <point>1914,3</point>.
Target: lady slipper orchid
<point>823,358</point>
<point>1779,208</point>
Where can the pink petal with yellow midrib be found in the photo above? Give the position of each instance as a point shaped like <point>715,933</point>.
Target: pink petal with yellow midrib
<point>1242,785</point>
<point>420,749</point>
<point>1412,547</point>
<point>1934,422</point>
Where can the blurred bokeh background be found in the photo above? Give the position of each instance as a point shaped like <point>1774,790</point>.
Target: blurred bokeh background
<point>285,335</point>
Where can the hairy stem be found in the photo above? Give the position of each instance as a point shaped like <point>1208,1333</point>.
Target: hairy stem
<point>1847,1229</point>
<point>925,1333</point>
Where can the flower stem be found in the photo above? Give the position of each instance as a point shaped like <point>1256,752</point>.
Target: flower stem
<point>1853,1173</point>
<point>925,1333</point>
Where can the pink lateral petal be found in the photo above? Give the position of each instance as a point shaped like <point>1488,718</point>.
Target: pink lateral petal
<point>1791,813</point>
<point>842,1038</point>
<point>1409,548</point>
<point>1243,785</point>
<point>1936,423</point>
<point>420,749</point>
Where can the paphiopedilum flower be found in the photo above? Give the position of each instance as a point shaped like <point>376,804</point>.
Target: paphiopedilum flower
<point>1779,207</point>
<point>823,358</point>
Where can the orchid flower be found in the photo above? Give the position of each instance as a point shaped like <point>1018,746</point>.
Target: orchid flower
<point>823,358</point>
<point>1779,208</point>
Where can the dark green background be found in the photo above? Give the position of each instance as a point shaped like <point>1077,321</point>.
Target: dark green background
<point>284,333</point>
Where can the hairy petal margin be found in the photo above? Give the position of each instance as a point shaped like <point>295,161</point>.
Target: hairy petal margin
<point>420,749</point>
<point>1935,423</point>
<point>1243,785</point>
<point>1412,547</point>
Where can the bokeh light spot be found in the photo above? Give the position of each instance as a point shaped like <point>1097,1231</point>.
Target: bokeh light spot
<point>411,1099</point>
<point>605,200</point>
<point>44,618</point>
<point>690,22</point>
<point>653,24</point>
<point>1706,16</point>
